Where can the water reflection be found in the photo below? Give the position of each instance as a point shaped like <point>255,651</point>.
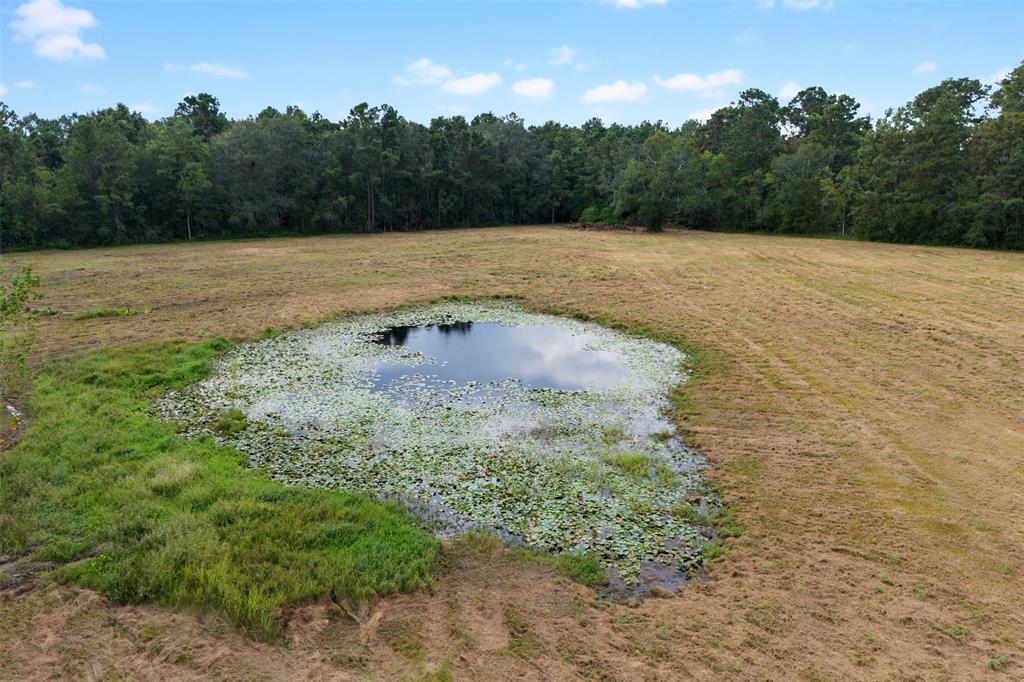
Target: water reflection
<point>536,356</point>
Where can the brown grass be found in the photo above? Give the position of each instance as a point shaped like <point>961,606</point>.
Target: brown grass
<point>864,414</point>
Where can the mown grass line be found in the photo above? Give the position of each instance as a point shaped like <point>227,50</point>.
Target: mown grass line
<point>126,506</point>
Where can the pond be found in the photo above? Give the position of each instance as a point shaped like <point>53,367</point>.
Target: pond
<point>535,356</point>
<point>547,431</point>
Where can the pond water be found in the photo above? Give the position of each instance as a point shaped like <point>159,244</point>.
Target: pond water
<point>478,415</point>
<point>533,356</point>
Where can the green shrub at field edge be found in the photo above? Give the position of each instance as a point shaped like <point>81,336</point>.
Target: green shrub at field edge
<point>127,507</point>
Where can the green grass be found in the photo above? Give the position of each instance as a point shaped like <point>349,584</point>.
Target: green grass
<point>230,422</point>
<point>109,312</point>
<point>129,508</point>
<point>583,568</point>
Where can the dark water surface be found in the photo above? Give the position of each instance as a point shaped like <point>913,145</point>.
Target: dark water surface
<point>537,356</point>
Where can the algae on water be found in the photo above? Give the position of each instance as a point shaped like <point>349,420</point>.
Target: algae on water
<point>593,470</point>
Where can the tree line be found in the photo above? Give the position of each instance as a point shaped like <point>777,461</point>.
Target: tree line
<point>945,168</point>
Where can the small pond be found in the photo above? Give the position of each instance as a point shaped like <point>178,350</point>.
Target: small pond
<point>545,430</point>
<point>533,356</point>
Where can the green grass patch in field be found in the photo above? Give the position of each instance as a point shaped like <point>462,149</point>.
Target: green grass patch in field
<point>131,509</point>
<point>109,312</point>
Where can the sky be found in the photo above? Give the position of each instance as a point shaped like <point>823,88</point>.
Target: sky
<point>621,60</point>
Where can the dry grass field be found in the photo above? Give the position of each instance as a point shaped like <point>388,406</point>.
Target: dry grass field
<point>862,406</point>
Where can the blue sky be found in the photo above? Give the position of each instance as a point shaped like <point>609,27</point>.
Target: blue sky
<point>623,60</point>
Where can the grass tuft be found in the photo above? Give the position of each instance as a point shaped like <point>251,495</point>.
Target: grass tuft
<point>230,422</point>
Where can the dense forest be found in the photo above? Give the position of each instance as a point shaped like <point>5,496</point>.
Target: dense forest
<point>945,168</point>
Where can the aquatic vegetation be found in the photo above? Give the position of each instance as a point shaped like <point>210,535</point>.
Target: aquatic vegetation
<point>594,472</point>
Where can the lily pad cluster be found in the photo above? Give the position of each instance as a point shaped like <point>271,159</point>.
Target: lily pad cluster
<point>598,471</point>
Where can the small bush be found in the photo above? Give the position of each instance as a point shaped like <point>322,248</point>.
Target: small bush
<point>598,214</point>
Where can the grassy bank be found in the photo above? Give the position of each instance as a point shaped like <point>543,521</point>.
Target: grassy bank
<point>124,505</point>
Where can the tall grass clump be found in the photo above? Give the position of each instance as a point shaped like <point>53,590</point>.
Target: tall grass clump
<point>127,507</point>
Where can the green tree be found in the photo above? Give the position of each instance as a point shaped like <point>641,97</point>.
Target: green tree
<point>663,185</point>
<point>203,113</point>
<point>101,165</point>
<point>795,201</point>
<point>1009,96</point>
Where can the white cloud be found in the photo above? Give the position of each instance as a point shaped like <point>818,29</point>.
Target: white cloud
<point>635,4</point>
<point>422,72</point>
<point>219,70</point>
<point>534,87</point>
<point>471,85</point>
<point>25,85</point>
<point>512,64</point>
<point>997,77</point>
<point>851,46</point>
<point>925,67</point>
<point>54,29</point>
<point>91,89</point>
<point>799,5</point>
<point>789,90</point>
<point>171,67</point>
<point>3,89</point>
<point>561,55</point>
<point>619,91</point>
<point>145,107</point>
<point>702,115</point>
<point>706,86</point>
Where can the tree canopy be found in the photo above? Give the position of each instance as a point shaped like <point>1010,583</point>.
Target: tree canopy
<point>945,168</point>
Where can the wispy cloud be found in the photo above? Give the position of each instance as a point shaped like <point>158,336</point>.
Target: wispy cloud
<point>219,70</point>
<point>635,4</point>
<point>702,115</point>
<point>171,67</point>
<point>422,72</point>
<point>619,91</point>
<point>3,89</point>
<point>91,89</point>
<point>534,87</point>
<point>55,30</point>
<point>706,86</point>
<point>789,90</point>
<point>997,77</point>
<point>144,108</point>
<point>798,5</point>
<point>471,85</point>
<point>561,55</point>
<point>25,85</point>
<point>925,67</point>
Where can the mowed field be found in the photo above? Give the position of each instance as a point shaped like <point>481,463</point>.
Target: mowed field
<point>862,406</point>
